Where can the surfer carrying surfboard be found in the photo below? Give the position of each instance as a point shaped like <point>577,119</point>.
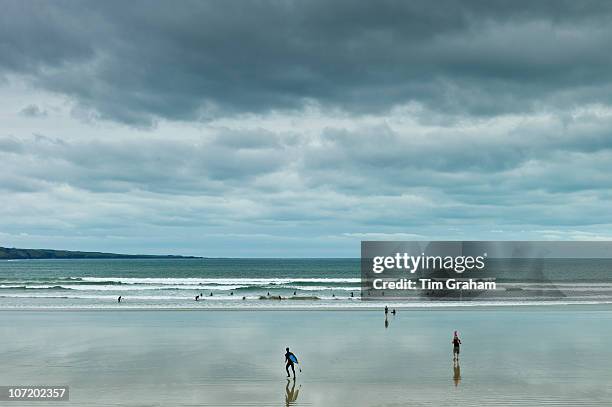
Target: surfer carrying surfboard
<point>290,359</point>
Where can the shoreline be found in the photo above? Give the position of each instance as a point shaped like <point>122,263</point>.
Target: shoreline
<point>458,308</point>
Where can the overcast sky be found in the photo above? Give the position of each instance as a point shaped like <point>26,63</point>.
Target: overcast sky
<point>297,129</point>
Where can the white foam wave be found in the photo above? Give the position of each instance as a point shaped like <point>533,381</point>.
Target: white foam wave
<point>220,281</point>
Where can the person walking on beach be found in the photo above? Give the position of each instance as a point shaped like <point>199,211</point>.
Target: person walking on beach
<point>456,344</point>
<point>289,358</point>
<point>386,310</point>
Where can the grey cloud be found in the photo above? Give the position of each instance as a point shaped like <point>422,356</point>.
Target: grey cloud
<point>373,175</point>
<point>249,139</point>
<point>33,111</point>
<point>11,145</point>
<point>441,119</point>
<point>158,166</point>
<point>455,150</point>
<point>139,61</point>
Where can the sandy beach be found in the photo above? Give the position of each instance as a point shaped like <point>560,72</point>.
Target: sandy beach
<point>526,357</point>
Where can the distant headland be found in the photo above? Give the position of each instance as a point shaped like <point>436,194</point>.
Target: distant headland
<point>15,254</point>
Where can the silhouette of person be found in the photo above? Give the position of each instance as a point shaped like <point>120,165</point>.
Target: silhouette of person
<point>456,372</point>
<point>291,394</point>
<point>393,312</point>
<point>119,299</point>
<point>289,363</point>
<point>197,298</point>
<point>456,344</point>
<point>386,310</point>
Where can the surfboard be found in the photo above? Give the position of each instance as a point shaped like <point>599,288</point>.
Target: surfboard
<point>293,358</point>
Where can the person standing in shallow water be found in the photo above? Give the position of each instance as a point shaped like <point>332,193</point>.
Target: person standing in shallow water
<point>456,344</point>
<point>119,299</point>
<point>289,363</point>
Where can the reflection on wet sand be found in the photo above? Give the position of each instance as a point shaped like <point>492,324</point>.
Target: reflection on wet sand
<point>291,394</point>
<point>232,359</point>
<point>456,372</point>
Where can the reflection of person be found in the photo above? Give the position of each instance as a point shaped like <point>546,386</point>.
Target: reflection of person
<point>291,394</point>
<point>456,343</point>
<point>386,322</point>
<point>289,363</point>
<point>456,372</point>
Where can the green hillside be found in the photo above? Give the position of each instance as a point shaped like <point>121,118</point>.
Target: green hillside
<point>13,254</point>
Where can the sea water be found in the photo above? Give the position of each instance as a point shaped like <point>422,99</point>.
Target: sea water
<point>271,283</point>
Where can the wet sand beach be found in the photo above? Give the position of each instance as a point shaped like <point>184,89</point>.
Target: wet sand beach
<point>522,357</point>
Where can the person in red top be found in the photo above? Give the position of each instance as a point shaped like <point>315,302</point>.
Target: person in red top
<point>456,343</point>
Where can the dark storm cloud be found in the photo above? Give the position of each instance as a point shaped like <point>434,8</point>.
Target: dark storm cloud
<point>276,124</point>
<point>141,60</point>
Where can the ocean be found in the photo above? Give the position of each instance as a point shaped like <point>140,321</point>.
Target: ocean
<point>273,283</point>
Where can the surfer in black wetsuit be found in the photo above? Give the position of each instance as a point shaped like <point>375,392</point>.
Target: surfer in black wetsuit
<point>119,299</point>
<point>289,363</point>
